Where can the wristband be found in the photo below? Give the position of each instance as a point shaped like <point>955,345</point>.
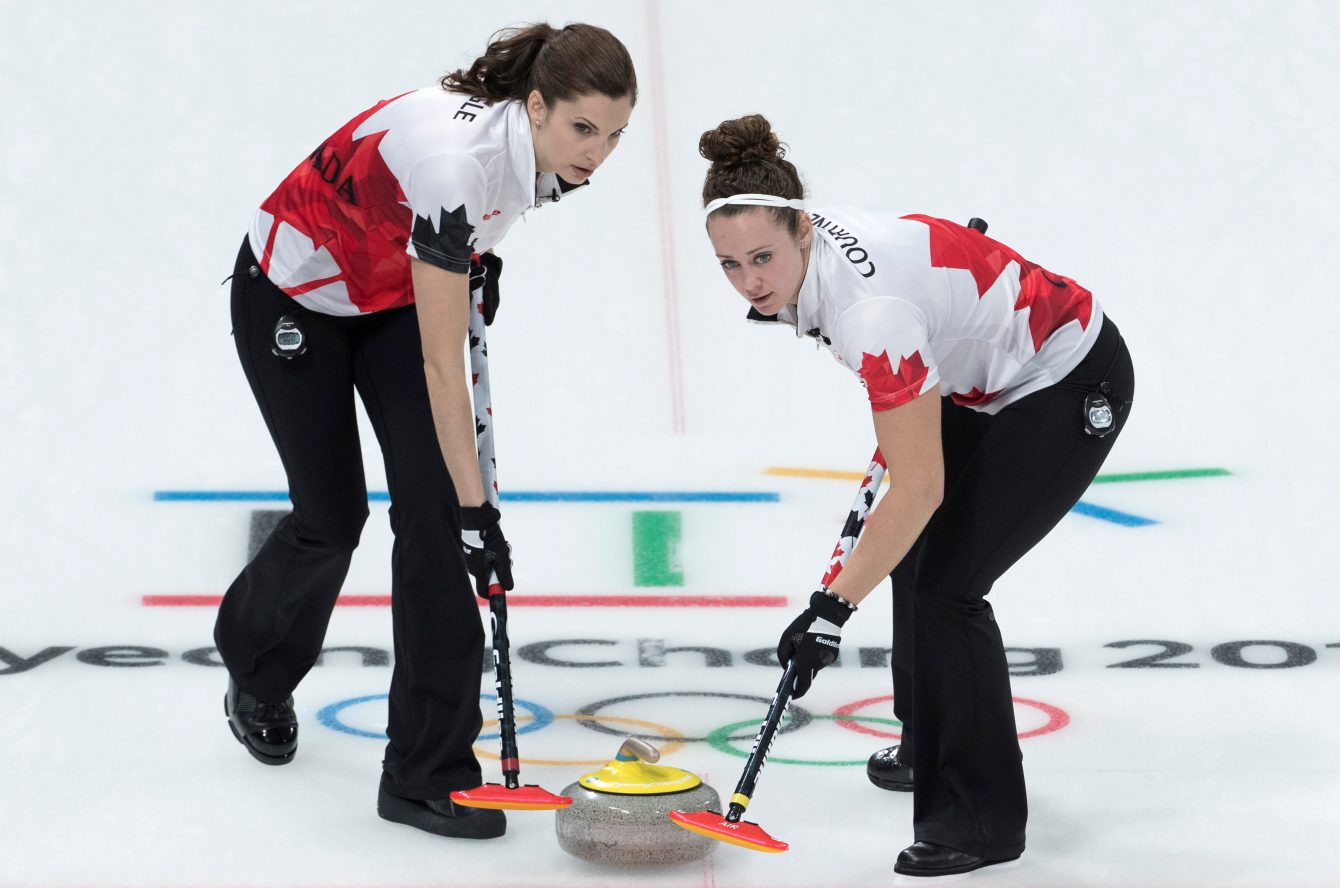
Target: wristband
<point>838,598</point>
<point>479,517</point>
<point>833,609</point>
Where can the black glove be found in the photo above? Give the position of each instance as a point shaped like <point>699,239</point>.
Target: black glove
<point>486,549</point>
<point>485,269</point>
<point>813,639</point>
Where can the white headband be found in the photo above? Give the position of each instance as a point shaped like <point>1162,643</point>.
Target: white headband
<point>755,200</point>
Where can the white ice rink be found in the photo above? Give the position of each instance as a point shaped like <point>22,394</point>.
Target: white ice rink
<point>1172,156</point>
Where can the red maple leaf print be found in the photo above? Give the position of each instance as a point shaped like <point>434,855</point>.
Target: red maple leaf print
<point>1053,301</point>
<point>950,248</point>
<point>886,388</point>
<point>1052,306</point>
<point>974,398</point>
<point>349,203</point>
<point>834,565</point>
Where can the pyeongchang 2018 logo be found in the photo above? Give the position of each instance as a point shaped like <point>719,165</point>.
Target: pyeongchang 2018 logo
<point>655,654</point>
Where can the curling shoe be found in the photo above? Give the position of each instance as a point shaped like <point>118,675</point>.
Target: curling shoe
<point>442,817</point>
<point>887,770</point>
<point>925,859</point>
<point>269,731</point>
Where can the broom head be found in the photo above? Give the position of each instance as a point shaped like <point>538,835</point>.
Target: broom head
<point>524,798</point>
<point>743,832</point>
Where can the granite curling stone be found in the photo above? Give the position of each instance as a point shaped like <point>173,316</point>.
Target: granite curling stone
<point>620,814</point>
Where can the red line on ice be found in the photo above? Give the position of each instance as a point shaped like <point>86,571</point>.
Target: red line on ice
<point>660,139</point>
<point>520,601</point>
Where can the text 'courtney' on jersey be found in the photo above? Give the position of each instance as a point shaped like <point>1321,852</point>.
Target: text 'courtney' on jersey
<point>430,175</point>
<point>907,302</point>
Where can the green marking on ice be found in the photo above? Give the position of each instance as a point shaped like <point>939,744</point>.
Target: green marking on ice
<point>656,560</point>
<point>1169,475</point>
<point>720,740</point>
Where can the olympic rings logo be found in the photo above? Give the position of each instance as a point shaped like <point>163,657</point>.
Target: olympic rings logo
<point>670,739</point>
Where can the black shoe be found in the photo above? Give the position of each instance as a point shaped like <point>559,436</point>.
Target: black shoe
<point>925,859</point>
<point>887,770</point>
<point>441,817</point>
<point>269,731</point>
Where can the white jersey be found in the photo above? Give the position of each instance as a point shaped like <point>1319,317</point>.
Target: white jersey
<point>430,175</point>
<point>908,302</point>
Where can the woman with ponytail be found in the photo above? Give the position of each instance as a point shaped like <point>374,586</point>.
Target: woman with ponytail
<point>997,388</point>
<point>356,277</point>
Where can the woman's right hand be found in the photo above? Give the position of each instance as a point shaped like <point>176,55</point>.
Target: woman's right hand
<point>485,269</point>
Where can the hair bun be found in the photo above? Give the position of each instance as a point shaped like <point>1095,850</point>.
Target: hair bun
<point>744,139</point>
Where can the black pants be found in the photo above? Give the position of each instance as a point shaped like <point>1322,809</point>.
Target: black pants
<point>1009,478</point>
<point>273,619</point>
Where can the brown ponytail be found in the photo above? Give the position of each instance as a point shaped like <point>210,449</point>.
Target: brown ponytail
<point>562,64</point>
<point>747,158</point>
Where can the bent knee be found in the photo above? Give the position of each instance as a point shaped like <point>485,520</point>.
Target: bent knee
<point>948,591</point>
<point>339,529</point>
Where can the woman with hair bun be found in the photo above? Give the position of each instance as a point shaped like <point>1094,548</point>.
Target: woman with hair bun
<point>997,388</point>
<point>356,277</point>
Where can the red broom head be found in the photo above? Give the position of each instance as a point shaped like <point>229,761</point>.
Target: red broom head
<point>523,798</point>
<point>714,826</point>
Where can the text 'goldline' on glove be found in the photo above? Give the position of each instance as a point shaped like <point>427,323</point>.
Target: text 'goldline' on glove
<point>813,638</point>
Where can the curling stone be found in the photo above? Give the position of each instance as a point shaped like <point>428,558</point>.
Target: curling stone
<point>620,814</point>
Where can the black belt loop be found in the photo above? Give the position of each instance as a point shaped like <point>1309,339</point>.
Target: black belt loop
<point>1105,387</point>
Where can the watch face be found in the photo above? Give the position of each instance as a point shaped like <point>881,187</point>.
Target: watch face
<point>289,341</point>
<point>1098,418</point>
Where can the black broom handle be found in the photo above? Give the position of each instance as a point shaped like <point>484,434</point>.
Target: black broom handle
<point>758,757</point>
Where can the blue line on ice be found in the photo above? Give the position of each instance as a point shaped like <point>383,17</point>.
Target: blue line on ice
<point>1123,518</point>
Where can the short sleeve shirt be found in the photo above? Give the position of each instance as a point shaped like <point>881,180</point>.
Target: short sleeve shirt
<point>429,175</point>
<point>910,302</point>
